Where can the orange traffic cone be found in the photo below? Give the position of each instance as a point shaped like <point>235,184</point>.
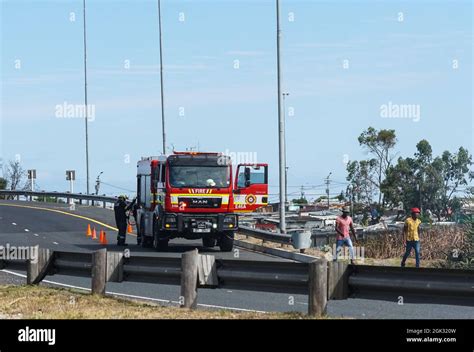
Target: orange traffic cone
<point>104,238</point>
<point>89,233</point>
<point>129,228</point>
<point>101,236</point>
<point>94,234</point>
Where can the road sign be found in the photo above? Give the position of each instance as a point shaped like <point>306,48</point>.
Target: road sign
<point>31,174</point>
<point>70,175</point>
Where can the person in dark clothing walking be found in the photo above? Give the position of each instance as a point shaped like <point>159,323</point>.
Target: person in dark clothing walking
<point>120,210</point>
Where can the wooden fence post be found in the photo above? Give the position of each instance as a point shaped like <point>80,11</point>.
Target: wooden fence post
<point>99,271</point>
<point>37,267</point>
<point>318,288</point>
<point>189,279</point>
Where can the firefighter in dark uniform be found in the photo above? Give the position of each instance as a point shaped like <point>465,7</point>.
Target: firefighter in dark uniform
<point>120,210</point>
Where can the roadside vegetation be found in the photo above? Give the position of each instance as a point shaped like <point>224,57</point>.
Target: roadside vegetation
<point>40,302</point>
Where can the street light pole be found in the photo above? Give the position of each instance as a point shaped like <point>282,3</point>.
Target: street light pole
<point>286,187</point>
<point>281,130</point>
<point>286,167</point>
<point>161,81</point>
<point>85,98</point>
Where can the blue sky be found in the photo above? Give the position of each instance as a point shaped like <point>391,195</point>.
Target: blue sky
<point>407,61</point>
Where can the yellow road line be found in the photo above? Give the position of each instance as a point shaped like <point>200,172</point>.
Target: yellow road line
<point>62,212</point>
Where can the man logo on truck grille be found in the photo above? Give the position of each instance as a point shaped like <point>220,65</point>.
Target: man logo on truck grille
<point>250,199</point>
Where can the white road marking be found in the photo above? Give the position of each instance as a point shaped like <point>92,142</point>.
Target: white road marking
<point>26,230</point>
<point>14,223</point>
<point>303,303</point>
<point>138,297</point>
<point>55,243</point>
<point>36,234</point>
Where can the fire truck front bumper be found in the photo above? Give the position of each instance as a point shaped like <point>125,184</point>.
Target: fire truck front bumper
<point>200,224</point>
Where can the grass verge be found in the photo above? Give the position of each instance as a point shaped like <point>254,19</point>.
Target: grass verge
<point>40,302</point>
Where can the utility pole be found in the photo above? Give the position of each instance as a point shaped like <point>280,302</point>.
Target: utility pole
<point>328,181</point>
<point>286,187</point>
<point>161,81</point>
<point>97,183</point>
<point>85,97</point>
<point>286,167</point>
<point>281,129</point>
<point>284,95</point>
<point>351,196</point>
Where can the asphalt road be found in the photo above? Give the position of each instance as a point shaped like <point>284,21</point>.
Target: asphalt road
<point>20,225</point>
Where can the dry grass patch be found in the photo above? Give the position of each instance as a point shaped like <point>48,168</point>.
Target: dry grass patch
<point>39,302</point>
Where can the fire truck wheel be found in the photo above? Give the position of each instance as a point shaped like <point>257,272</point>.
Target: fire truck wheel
<point>208,242</point>
<point>160,245</point>
<point>147,241</point>
<point>226,241</point>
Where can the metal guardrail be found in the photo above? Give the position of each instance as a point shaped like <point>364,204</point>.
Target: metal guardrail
<point>320,279</point>
<point>429,281</point>
<point>103,266</point>
<point>287,277</point>
<point>318,238</point>
<point>13,264</point>
<point>72,263</point>
<point>152,269</point>
<point>265,235</point>
<point>59,195</point>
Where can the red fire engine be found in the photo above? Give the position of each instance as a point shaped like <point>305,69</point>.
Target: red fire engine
<point>194,195</point>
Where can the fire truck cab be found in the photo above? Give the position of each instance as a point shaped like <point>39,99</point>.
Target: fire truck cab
<point>194,195</point>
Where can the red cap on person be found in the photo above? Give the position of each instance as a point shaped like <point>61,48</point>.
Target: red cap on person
<point>415,210</point>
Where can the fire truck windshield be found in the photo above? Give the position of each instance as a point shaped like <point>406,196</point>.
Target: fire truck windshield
<point>199,176</point>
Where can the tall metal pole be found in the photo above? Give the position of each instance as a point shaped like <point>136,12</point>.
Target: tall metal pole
<point>85,97</point>
<point>161,81</point>
<point>286,167</point>
<point>281,130</point>
<point>286,187</point>
<point>327,187</point>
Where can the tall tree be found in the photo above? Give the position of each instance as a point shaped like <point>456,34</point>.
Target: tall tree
<point>361,176</point>
<point>427,182</point>
<point>379,145</point>
<point>3,183</point>
<point>15,175</point>
<point>455,172</point>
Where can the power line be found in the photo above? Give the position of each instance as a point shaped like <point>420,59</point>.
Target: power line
<point>117,187</point>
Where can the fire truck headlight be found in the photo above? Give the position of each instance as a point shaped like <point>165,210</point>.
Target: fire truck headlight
<point>214,226</point>
<point>230,221</point>
<point>170,221</point>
